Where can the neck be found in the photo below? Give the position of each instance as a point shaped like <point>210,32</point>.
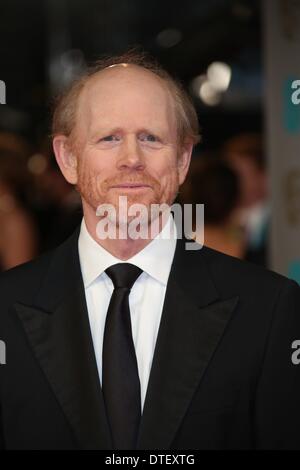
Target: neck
<point>123,247</point>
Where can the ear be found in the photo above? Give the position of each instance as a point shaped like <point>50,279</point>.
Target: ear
<point>184,160</point>
<point>65,158</point>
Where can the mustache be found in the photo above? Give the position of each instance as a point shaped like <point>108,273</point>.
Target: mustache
<point>131,179</point>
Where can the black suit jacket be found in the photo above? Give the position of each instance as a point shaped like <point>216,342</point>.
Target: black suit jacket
<point>221,377</point>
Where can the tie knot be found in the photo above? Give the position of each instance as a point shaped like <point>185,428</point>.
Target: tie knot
<point>123,274</point>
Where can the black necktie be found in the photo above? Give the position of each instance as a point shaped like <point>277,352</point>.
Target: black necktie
<point>120,380</point>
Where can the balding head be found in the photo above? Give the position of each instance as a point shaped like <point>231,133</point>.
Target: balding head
<point>109,97</point>
<point>66,107</point>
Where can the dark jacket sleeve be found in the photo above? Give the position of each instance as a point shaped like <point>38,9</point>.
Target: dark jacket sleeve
<point>277,404</point>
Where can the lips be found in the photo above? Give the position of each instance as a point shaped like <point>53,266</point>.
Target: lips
<point>131,185</point>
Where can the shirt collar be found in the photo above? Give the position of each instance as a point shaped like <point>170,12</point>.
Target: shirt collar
<point>155,259</point>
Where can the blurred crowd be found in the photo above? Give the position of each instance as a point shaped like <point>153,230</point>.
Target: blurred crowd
<point>232,184</point>
<point>38,209</point>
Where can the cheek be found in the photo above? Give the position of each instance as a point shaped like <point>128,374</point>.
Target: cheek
<point>169,181</point>
<point>92,165</point>
<point>163,165</point>
<point>181,175</point>
<point>171,175</point>
<point>167,173</point>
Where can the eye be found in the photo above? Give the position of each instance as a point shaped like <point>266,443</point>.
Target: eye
<point>148,138</point>
<point>110,138</point>
<point>151,138</point>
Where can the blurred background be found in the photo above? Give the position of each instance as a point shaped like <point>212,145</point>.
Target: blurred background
<point>229,54</point>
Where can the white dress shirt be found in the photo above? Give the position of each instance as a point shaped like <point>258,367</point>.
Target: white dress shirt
<point>146,298</point>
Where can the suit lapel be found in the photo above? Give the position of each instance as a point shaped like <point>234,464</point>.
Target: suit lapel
<point>192,323</point>
<point>57,327</point>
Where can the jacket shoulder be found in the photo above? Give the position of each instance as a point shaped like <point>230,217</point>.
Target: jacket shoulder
<point>240,272</point>
<point>32,271</point>
<point>25,276</point>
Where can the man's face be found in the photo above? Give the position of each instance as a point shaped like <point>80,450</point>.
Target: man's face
<point>126,138</point>
<point>252,180</point>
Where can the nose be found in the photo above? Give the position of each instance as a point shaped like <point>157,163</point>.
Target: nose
<point>130,155</point>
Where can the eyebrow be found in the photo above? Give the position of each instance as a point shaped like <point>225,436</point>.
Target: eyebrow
<point>115,130</point>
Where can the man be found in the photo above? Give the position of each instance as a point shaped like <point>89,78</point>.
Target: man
<point>245,154</point>
<point>194,351</point>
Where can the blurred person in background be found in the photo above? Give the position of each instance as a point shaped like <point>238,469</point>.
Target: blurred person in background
<point>245,154</point>
<point>213,183</point>
<point>18,234</point>
<point>56,204</point>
